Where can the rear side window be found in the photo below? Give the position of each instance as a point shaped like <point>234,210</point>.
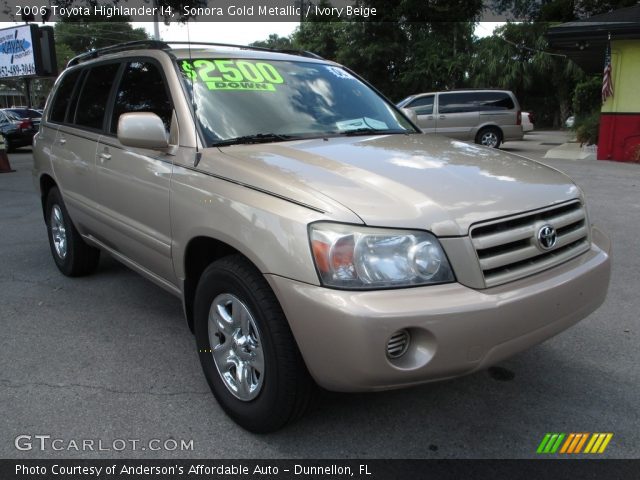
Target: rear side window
<point>142,89</point>
<point>488,101</point>
<point>457,102</point>
<point>93,99</point>
<point>474,102</point>
<point>59,107</point>
<point>423,105</point>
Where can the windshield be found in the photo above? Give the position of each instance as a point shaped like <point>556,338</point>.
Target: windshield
<point>280,100</point>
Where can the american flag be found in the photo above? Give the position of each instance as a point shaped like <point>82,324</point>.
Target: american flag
<point>607,78</point>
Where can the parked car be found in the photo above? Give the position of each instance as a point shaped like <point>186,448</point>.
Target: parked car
<point>527,121</point>
<point>28,113</point>
<point>313,234</point>
<point>488,117</point>
<point>17,131</point>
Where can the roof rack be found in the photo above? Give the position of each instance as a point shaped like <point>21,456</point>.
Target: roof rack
<point>120,47</point>
<point>302,53</point>
<point>161,45</point>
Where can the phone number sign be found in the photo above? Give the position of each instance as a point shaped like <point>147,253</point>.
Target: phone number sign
<point>16,52</point>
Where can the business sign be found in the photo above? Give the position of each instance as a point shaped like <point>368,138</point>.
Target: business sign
<point>16,52</point>
<point>27,51</point>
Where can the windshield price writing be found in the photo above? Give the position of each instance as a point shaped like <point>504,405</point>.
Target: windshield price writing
<point>232,74</point>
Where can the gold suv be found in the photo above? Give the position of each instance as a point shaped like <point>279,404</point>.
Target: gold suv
<point>313,233</point>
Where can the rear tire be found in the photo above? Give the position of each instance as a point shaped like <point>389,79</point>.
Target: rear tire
<point>73,257</point>
<point>247,351</point>
<point>489,137</point>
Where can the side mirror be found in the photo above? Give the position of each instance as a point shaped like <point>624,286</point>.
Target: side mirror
<point>411,114</point>
<point>142,130</point>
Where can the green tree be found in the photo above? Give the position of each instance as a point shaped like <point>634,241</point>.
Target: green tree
<point>177,6</point>
<point>587,97</point>
<point>321,35</point>
<point>413,45</point>
<point>438,57</point>
<point>63,55</point>
<point>556,10</point>
<point>506,59</point>
<point>515,57</point>
<point>83,34</point>
<point>275,42</point>
<point>377,51</point>
<point>410,46</point>
<point>587,100</point>
<point>323,38</point>
<point>555,81</point>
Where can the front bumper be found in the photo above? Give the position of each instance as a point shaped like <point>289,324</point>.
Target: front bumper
<point>455,330</point>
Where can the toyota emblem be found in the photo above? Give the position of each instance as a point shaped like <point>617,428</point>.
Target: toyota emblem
<point>547,237</point>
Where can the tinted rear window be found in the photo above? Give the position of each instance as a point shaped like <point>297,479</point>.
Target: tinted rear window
<point>61,101</point>
<point>474,102</point>
<point>26,113</point>
<point>495,101</point>
<point>92,103</point>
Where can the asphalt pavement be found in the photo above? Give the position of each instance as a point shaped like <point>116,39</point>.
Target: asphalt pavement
<point>109,357</point>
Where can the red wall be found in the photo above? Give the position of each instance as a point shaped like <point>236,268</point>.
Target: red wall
<point>619,137</point>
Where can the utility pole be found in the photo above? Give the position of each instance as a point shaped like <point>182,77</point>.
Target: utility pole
<point>27,87</point>
<point>301,3</point>
<point>156,27</point>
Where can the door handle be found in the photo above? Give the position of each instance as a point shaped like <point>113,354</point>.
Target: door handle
<point>442,117</point>
<point>105,156</point>
<point>62,141</point>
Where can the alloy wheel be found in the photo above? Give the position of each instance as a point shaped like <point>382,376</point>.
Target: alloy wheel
<point>236,347</point>
<point>58,232</point>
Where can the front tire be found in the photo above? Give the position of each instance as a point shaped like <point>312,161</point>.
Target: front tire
<point>247,351</point>
<point>489,137</point>
<point>73,257</point>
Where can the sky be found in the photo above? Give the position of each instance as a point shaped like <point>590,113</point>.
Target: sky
<point>241,33</point>
<point>224,32</point>
<point>244,33</point>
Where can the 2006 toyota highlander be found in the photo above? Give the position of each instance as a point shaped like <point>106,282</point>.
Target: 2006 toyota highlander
<point>314,235</point>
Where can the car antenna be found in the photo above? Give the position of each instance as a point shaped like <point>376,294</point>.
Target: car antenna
<point>193,100</point>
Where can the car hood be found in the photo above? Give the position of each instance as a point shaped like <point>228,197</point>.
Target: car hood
<point>407,181</point>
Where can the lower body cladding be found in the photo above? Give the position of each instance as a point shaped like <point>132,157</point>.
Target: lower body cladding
<point>453,330</point>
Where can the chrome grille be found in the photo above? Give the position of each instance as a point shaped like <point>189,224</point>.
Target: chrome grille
<point>508,248</point>
<point>398,344</point>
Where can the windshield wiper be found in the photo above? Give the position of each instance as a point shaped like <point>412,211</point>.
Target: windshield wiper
<point>257,138</point>
<point>368,130</point>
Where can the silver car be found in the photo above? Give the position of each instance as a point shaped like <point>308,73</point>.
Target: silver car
<point>488,117</point>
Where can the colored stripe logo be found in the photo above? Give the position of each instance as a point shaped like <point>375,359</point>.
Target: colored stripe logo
<point>573,443</point>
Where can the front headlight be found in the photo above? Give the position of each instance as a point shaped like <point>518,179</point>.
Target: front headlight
<point>351,256</point>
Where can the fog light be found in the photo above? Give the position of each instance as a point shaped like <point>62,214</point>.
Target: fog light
<point>398,344</point>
